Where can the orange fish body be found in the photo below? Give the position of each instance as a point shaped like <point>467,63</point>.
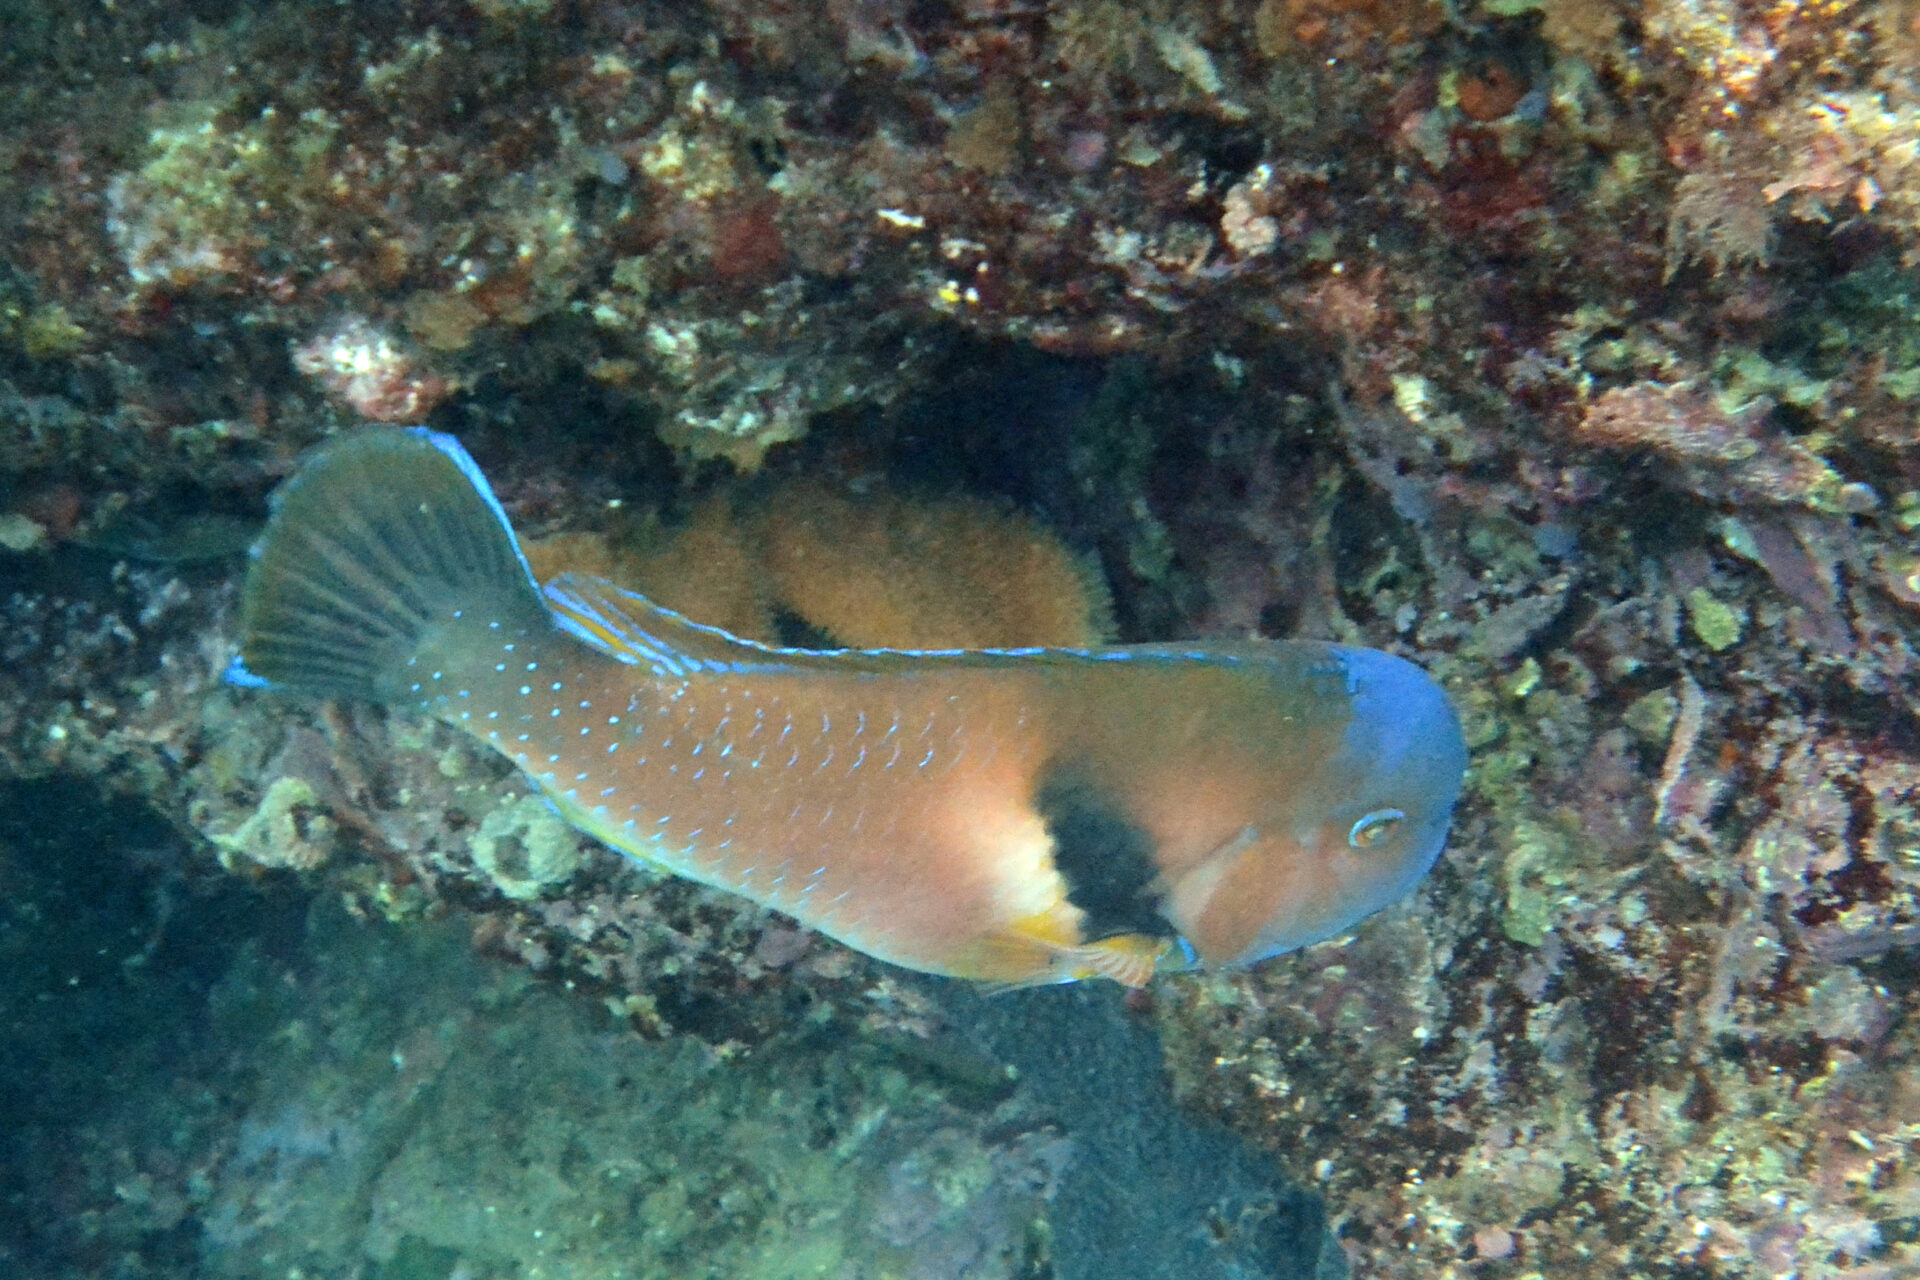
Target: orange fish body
<point>1019,816</point>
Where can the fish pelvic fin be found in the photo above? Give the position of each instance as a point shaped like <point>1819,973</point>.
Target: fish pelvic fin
<point>382,541</point>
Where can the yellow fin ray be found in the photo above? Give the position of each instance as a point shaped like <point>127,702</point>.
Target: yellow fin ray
<point>1130,959</point>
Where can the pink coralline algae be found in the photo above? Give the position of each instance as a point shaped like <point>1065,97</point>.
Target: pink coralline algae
<point>370,372</point>
<point>1720,452</point>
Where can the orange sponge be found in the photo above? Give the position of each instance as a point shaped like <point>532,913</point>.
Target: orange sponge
<point>884,572</point>
<point>861,570</point>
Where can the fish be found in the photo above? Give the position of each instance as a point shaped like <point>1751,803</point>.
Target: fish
<point>1015,816</point>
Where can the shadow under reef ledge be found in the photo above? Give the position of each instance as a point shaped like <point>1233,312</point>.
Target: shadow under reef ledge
<point>1153,1190</point>
<point>291,1090</point>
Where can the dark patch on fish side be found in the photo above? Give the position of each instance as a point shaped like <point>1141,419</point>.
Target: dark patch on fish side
<point>1105,857</point>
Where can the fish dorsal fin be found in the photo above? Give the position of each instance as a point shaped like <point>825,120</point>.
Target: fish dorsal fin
<point>603,615</point>
<point>626,625</point>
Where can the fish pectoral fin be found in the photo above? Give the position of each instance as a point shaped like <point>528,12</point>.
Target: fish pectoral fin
<point>1187,895</point>
<point>1130,959</point>
<point>1042,950</point>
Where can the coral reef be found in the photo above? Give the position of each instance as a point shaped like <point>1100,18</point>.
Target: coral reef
<point>525,849</point>
<point>288,830</point>
<point>1569,348</point>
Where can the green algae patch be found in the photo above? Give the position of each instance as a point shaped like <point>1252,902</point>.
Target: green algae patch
<point>1717,624</point>
<point>1538,870</point>
<point>418,1111</point>
<point>1650,717</point>
<point>50,333</point>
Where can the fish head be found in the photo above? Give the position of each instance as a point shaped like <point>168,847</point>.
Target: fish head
<point>1353,834</point>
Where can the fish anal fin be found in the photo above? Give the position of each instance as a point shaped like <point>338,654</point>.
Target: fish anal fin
<point>1024,953</point>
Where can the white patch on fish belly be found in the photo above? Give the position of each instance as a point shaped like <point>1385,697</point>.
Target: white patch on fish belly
<point>1013,847</point>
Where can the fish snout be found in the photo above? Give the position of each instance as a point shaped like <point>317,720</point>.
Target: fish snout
<point>1386,800</point>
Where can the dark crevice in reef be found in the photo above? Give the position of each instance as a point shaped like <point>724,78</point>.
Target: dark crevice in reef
<point>108,952</point>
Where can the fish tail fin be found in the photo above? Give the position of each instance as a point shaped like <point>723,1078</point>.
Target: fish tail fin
<point>380,542</point>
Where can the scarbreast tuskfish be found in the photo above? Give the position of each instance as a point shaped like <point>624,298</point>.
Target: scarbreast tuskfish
<point>1020,816</point>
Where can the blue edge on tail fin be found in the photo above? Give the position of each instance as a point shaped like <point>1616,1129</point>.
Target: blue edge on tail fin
<point>237,673</point>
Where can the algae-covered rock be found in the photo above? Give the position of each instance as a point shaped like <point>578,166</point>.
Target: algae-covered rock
<point>526,849</point>
<point>287,830</point>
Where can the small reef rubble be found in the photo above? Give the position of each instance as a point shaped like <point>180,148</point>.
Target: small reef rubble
<point>1571,349</point>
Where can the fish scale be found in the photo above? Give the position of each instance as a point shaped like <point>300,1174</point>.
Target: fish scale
<point>543,697</point>
<point>1013,815</point>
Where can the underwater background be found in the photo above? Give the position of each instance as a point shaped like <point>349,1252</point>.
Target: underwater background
<point>1570,348</point>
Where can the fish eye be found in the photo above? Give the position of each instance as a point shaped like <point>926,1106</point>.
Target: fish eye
<point>1375,826</point>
